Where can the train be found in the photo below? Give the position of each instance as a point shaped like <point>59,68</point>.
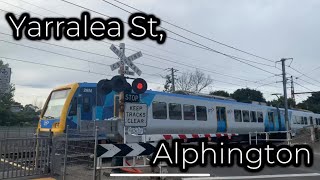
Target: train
<point>169,113</point>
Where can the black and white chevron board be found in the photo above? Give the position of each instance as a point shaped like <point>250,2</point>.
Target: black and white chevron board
<point>125,150</point>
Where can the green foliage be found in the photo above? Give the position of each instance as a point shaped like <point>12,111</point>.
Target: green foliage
<point>220,93</point>
<point>168,84</point>
<point>27,115</point>
<point>312,103</point>
<point>279,102</point>
<point>248,95</point>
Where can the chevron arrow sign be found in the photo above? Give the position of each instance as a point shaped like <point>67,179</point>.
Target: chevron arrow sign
<point>128,150</point>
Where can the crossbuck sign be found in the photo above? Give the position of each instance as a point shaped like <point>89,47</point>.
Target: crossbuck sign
<point>124,59</point>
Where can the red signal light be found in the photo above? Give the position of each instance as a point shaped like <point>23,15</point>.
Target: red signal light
<point>139,86</point>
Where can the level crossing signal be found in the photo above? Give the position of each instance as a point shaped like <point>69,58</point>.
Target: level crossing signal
<point>120,84</point>
<point>139,85</point>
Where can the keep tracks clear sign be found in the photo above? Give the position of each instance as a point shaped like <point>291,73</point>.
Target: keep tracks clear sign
<point>135,115</point>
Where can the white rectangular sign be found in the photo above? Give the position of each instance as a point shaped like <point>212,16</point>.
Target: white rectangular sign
<point>135,115</point>
<point>5,76</point>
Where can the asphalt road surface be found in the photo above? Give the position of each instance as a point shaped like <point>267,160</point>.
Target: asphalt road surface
<point>277,172</point>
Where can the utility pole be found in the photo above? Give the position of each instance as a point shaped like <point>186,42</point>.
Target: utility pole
<point>292,91</point>
<point>286,114</point>
<point>173,87</point>
<point>121,95</point>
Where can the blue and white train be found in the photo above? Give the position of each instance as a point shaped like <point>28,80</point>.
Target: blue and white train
<point>168,113</point>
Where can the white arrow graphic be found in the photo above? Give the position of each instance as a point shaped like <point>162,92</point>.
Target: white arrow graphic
<point>137,149</point>
<point>111,150</point>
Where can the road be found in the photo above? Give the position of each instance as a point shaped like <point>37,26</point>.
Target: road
<point>277,172</point>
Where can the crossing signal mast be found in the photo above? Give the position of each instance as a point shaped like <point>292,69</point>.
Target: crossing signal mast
<point>129,94</point>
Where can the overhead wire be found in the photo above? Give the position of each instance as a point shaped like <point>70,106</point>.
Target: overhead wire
<point>98,13</point>
<point>197,34</point>
<point>192,66</point>
<point>210,49</point>
<point>149,54</point>
<point>62,67</point>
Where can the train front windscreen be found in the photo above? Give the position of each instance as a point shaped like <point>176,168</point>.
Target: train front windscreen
<point>53,110</point>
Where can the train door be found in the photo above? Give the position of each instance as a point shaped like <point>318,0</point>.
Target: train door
<point>282,124</point>
<point>86,108</point>
<point>277,121</point>
<point>271,121</point>
<point>221,119</point>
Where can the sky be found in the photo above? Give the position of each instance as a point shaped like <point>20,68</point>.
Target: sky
<point>271,29</point>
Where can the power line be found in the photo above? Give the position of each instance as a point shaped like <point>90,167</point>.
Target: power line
<point>20,8</point>
<point>266,84</point>
<point>304,74</point>
<point>144,53</point>
<point>215,80</point>
<point>195,42</point>
<point>303,86</point>
<point>187,65</point>
<point>63,67</point>
<point>88,52</point>
<point>72,57</point>
<point>210,49</point>
<point>197,34</point>
<point>41,8</point>
<point>54,66</point>
<point>191,66</point>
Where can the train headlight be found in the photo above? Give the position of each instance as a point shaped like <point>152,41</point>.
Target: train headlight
<point>56,125</point>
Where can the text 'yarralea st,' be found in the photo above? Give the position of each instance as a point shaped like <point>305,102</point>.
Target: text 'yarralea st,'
<point>142,26</point>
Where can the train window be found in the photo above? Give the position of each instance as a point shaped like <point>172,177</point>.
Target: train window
<point>260,117</point>
<point>253,116</point>
<point>86,104</point>
<point>175,111</point>
<point>159,110</point>
<point>296,120</point>
<point>270,116</point>
<point>311,120</point>
<point>73,108</point>
<point>188,112</point>
<point>201,113</point>
<point>301,120</point>
<point>246,116</point>
<point>237,116</point>
<point>305,120</point>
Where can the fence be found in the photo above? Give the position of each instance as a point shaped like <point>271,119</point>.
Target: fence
<point>306,135</point>
<point>73,155</point>
<point>22,157</point>
<point>16,132</point>
<point>272,136</point>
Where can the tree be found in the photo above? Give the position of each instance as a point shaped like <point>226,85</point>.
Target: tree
<point>220,93</point>
<point>6,100</point>
<point>312,103</point>
<point>279,102</point>
<point>168,84</point>
<point>248,95</point>
<point>193,82</point>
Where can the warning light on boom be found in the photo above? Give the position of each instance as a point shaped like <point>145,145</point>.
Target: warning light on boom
<point>139,86</point>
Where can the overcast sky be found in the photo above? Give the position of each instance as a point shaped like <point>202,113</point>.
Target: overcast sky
<point>272,29</point>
